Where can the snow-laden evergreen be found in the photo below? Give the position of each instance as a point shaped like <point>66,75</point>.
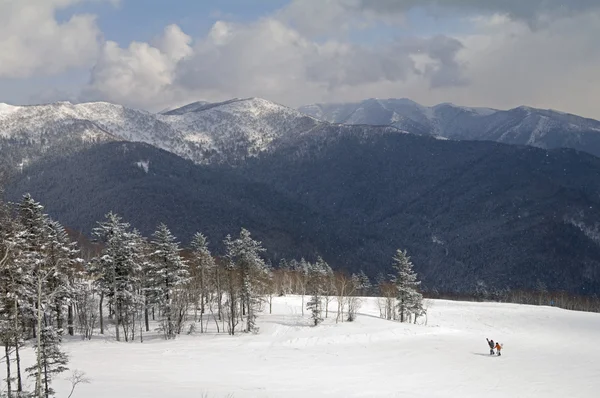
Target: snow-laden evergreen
<point>167,274</point>
<point>409,299</point>
<point>117,271</point>
<point>51,360</point>
<point>205,278</point>
<point>317,280</point>
<point>243,255</point>
<point>43,286</point>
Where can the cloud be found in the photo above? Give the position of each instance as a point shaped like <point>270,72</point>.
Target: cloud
<point>265,58</point>
<point>554,67</point>
<point>33,42</point>
<point>516,9</point>
<point>317,18</point>
<point>140,75</point>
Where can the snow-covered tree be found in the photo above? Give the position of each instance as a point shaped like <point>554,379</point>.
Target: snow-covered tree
<point>232,283</point>
<point>363,283</point>
<point>15,294</point>
<point>63,259</point>
<point>52,360</point>
<point>48,256</point>
<point>167,275</point>
<point>117,270</point>
<point>202,274</point>
<point>244,255</point>
<point>316,278</point>
<point>409,299</point>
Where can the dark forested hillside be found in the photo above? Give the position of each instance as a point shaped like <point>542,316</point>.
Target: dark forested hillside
<point>466,211</point>
<point>147,186</point>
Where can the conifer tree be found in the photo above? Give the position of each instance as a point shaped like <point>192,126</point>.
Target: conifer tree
<point>316,278</point>
<point>409,299</point>
<point>15,293</point>
<point>117,269</point>
<point>203,267</point>
<point>47,254</point>
<point>63,260</point>
<point>51,360</point>
<point>232,283</point>
<point>167,275</point>
<point>244,253</point>
<point>363,283</point>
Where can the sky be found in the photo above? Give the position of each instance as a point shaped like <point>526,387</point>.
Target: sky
<point>159,54</point>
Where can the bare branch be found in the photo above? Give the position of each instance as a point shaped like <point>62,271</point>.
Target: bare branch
<point>77,377</point>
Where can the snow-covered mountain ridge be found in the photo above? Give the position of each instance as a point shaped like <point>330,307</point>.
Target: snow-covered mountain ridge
<point>231,131</point>
<point>521,126</point>
<point>202,132</point>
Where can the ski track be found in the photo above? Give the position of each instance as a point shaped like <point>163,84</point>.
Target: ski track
<point>548,352</point>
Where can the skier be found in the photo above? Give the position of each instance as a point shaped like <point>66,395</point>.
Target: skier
<point>491,344</point>
<point>498,348</point>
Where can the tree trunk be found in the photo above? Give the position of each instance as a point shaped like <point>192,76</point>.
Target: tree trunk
<point>46,390</point>
<point>402,310</point>
<point>70,320</point>
<point>202,290</point>
<point>117,335</point>
<point>146,321</point>
<point>59,321</point>
<point>219,295</point>
<point>19,379</point>
<point>46,387</point>
<point>8,375</point>
<point>101,313</point>
<point>38,385</point>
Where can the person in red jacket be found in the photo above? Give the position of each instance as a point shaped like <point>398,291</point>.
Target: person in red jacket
<point>498,348</point>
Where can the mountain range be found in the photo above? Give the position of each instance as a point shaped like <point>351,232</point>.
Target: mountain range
<point>519,126</point>
<point>226,132</point>
<point>467,210</point>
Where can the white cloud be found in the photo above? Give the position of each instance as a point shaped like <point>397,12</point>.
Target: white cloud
<point>555,67</point>
<point>140,75</point>
<point>33,42</point>
<point>266,58</point>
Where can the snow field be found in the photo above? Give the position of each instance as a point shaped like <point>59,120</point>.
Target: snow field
<point>548,352</point>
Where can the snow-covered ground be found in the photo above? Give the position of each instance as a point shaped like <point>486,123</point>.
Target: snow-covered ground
<point>548,352</point>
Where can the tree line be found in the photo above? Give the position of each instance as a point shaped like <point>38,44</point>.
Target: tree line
<point>50,289</point>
